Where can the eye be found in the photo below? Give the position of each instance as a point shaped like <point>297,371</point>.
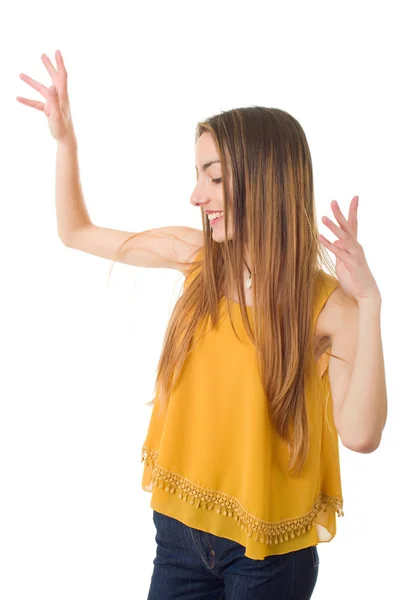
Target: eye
<point>217,180</point>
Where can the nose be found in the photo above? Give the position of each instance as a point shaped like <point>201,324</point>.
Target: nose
<point>199,199</point>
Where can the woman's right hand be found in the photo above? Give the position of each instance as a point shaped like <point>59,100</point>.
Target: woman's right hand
<point>56,108</point>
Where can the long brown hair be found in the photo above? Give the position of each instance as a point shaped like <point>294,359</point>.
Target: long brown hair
<point>265,155</point>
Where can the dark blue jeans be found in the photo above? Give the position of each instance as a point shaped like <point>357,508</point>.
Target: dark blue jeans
<point>197,565</point>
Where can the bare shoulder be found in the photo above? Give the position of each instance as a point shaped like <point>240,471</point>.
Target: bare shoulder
<point>193,255</point>
<point>339,312</point>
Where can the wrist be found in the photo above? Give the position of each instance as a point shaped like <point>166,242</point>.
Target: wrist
<point>68,140</point>
<point>373,301</point>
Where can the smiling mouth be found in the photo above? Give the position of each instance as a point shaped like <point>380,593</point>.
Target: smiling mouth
<point>214,221</point>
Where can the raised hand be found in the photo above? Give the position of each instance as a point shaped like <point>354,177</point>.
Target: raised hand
<point>57,107</point>
<point>352,269</point>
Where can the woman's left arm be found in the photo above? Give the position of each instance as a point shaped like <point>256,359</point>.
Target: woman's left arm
<point>359,386</point>
<point>361,406</point>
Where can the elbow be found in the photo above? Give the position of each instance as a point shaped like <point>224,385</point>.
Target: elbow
<point>364,446</point>
<point>62,239</point>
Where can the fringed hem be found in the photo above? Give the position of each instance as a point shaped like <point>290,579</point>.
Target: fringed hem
<point>261,531</point>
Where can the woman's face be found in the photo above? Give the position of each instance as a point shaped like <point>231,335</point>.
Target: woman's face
<point>208,193</point>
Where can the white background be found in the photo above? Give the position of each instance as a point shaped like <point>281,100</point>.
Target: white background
<point>78,357</point>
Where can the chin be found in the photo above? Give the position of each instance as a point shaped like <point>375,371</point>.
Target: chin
<point>218,237</point>
<point>218,234</point>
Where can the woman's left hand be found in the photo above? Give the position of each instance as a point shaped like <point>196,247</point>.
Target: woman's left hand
<point>353,272</point>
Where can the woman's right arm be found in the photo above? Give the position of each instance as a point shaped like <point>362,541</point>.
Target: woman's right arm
<point>162,247</point>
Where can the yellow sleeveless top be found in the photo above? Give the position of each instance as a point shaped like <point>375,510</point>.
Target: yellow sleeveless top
<point>214,463</point>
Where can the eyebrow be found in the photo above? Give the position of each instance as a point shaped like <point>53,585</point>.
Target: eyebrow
<point>208,164</point>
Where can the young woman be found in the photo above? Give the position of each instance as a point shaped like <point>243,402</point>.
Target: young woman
<point>241,454</point>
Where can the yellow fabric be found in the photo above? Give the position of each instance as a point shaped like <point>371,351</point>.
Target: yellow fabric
<point>214,463</point>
